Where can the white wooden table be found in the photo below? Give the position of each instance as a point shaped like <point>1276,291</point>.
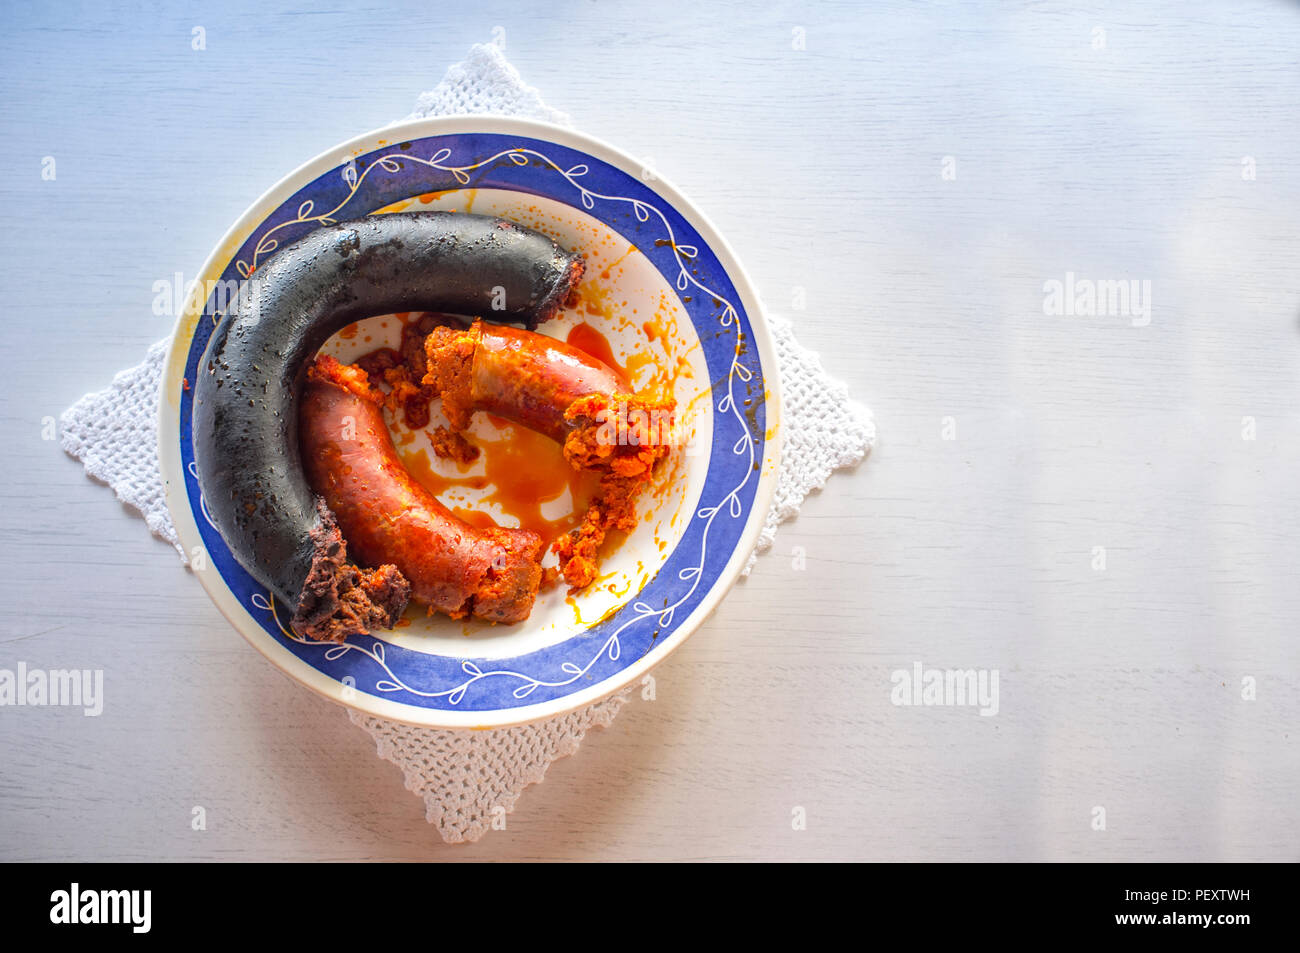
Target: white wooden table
<point>921,171</point>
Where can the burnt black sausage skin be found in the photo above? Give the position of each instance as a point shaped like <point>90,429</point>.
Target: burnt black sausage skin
<point>250,381</point>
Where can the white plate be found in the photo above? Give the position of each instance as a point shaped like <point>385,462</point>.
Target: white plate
<point>667,294</point>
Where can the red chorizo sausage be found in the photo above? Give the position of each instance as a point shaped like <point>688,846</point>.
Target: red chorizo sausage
<point>522,376</point>
<point>387,517</point>
<point>558,390</point>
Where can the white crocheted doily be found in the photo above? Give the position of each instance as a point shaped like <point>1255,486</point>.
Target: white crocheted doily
<point>468,778</point>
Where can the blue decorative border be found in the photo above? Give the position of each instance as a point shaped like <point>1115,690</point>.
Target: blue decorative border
<point>629,207</point>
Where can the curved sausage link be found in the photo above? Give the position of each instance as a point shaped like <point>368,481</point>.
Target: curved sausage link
<point>523,376</point>
<point>247,395</point>
<point>388,518</point>
<point>556,389</point>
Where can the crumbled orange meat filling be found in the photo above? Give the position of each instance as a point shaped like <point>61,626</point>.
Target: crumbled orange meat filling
<point>449,444</point>
<point>626,467</point>
<point>348,376</point>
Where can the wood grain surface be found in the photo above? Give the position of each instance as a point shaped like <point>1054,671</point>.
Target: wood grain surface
<point>913,175</point>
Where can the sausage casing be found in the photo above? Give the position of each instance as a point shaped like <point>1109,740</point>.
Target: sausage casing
<point>525,377</point>
<point>388,517</point>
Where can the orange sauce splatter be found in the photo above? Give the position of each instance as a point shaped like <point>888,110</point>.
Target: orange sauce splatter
<point>418,465</point>
<point>616,262</point>
<point>609,613</point>
<point>528,469</point>
<point>590,341</point>
<point>474,517</point>
<point>525,470</point>
<point>594,300</point>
